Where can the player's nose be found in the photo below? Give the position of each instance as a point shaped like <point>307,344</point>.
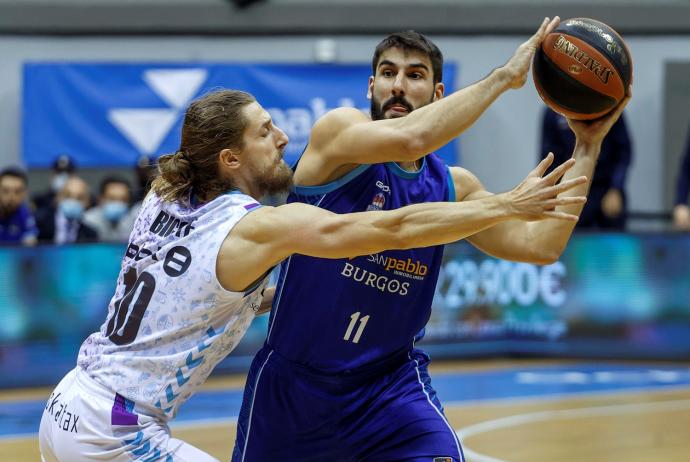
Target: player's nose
<point>399,85</point>
<point>282,139</point>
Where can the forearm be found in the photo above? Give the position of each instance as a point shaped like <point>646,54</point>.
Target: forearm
<point>551,236</point>
<point>436,124</point>
<point>424,225</point>
<point>419,225</point>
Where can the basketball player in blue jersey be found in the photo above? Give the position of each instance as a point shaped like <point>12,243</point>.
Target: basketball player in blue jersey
<point>338,377</point>
<point>196,267</point>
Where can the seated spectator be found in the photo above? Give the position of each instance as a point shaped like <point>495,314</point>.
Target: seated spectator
<point>17,224</point>
<point>108,218</point>
<point>62,223</point>
<point>606,202</point>
<point>681,211</point>
<point>144,172</point>
<point>63,167</point>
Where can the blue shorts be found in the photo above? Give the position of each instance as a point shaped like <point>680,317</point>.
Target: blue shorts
<point>391,413</point>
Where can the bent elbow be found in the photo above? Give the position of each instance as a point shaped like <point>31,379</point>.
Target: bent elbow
<point>547,257</point>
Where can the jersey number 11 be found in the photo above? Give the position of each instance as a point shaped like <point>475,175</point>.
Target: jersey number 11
<point>353,322</point>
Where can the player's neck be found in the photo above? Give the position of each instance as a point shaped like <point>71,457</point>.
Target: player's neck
<point>412,167</point>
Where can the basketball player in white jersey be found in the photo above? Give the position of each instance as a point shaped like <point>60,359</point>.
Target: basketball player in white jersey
<point>195,271</point>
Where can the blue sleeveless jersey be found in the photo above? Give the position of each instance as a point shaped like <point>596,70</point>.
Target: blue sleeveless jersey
<point>340,315</point>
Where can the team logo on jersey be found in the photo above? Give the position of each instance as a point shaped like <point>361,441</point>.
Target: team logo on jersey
<point>443,459</point>
<point>378,202</point>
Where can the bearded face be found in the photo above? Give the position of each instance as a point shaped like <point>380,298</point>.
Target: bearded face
<point>275,178</point>
<point>403,82</point>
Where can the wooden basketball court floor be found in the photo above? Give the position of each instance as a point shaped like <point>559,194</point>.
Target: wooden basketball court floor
<point>536,411</point>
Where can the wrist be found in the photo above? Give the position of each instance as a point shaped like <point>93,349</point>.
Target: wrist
<point>501,77</point>
<point>586,149</point>
<point>504,206</point>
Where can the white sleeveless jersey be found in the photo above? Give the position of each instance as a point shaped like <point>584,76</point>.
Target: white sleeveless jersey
<point>170,321</point>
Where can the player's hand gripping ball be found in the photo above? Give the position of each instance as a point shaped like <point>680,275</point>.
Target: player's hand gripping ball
<point>583,69</point>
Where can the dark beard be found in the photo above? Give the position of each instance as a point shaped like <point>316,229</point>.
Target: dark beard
<point>377,109</point>
<point>277,181</point>
<point>7,210</point>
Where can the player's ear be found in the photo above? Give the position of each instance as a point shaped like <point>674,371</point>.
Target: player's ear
<point>370,87</point>
<point>230,158</point>
<point>439,90</point>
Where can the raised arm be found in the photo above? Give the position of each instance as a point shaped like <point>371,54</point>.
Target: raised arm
<point>542,242</point>
<point>346,136</point>
<point>265,237</point>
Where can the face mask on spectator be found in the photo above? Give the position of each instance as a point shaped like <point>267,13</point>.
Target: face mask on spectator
<point>72,209</point>
<point>59,181</point>
<point>114,210</point>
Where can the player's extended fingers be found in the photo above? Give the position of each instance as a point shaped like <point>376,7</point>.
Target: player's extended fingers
<point>559,171</point>
<point>561,215</point>
<point>566,185</point>
<point>571,200</point>
<point>552,25</point>
<point>545,29</point>
<point>624,102</point>
<point>540,33</point>
<point>542,166</point>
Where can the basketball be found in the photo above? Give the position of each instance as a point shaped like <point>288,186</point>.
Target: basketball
<point>583,69</point>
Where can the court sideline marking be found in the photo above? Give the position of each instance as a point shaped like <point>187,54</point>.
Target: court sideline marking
<point>521,419</point>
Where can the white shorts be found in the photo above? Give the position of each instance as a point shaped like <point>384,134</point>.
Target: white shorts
<point>83,421</point>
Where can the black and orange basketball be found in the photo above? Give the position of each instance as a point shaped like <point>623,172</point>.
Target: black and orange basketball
<point>583,69</point>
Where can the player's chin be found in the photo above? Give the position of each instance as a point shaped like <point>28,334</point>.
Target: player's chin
<point>282,178</point>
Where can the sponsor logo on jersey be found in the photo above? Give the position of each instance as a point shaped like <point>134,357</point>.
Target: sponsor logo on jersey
<point>376,281</point>
<point>411,269</point>
<point>377,203</point>
<point>382,186</point>
<point>65,420</point>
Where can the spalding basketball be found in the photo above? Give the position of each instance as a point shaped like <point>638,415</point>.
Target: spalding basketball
<point>583,69</point>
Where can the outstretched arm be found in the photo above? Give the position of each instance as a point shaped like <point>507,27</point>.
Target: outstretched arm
<point>543,241</point>
<point>346,136</point>
<point>265,237</point>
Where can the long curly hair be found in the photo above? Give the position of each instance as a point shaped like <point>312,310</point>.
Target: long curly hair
<point>212,123</point>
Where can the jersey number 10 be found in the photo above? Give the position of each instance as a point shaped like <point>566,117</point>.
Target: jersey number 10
<point>141,288</point>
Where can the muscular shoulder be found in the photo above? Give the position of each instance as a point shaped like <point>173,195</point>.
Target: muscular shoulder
<point>253,227</point>
<point>269,223</point>
<point>466,183</point>
<point>333,122</point>
<point>326,155</point>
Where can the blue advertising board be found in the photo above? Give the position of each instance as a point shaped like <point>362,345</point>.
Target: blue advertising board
<point>110,114</point>
<point>610,295</point>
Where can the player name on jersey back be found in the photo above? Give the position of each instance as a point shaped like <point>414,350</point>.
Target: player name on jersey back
<point>170,321</point>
